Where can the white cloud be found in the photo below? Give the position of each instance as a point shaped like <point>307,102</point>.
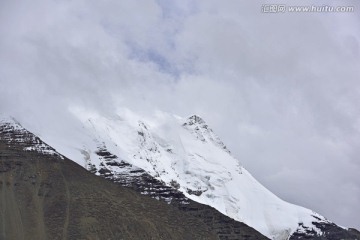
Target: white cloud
<point>281,90</point>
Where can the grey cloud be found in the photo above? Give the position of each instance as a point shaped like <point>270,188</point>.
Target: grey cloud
<point>281,90</point>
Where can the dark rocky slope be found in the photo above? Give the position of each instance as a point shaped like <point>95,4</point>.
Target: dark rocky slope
<point>331,232</point>
<point>45,197</point>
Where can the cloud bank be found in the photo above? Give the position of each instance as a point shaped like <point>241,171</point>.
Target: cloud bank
<point>282,90</point>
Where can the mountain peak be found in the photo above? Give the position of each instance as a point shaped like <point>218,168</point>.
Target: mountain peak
<point>198,128</point>
<point>194,119</point>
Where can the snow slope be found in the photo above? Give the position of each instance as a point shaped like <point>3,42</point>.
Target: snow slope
<point>185,152</point>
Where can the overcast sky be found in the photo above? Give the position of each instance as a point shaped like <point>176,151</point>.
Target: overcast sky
<point>282,90</point>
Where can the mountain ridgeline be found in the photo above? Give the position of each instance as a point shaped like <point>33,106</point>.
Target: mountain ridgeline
<point>44,195</point>
<point>142,183</point>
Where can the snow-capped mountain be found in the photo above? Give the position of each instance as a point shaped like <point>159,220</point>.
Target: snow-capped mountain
<point>38,177</point>
<point>184,154</point>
